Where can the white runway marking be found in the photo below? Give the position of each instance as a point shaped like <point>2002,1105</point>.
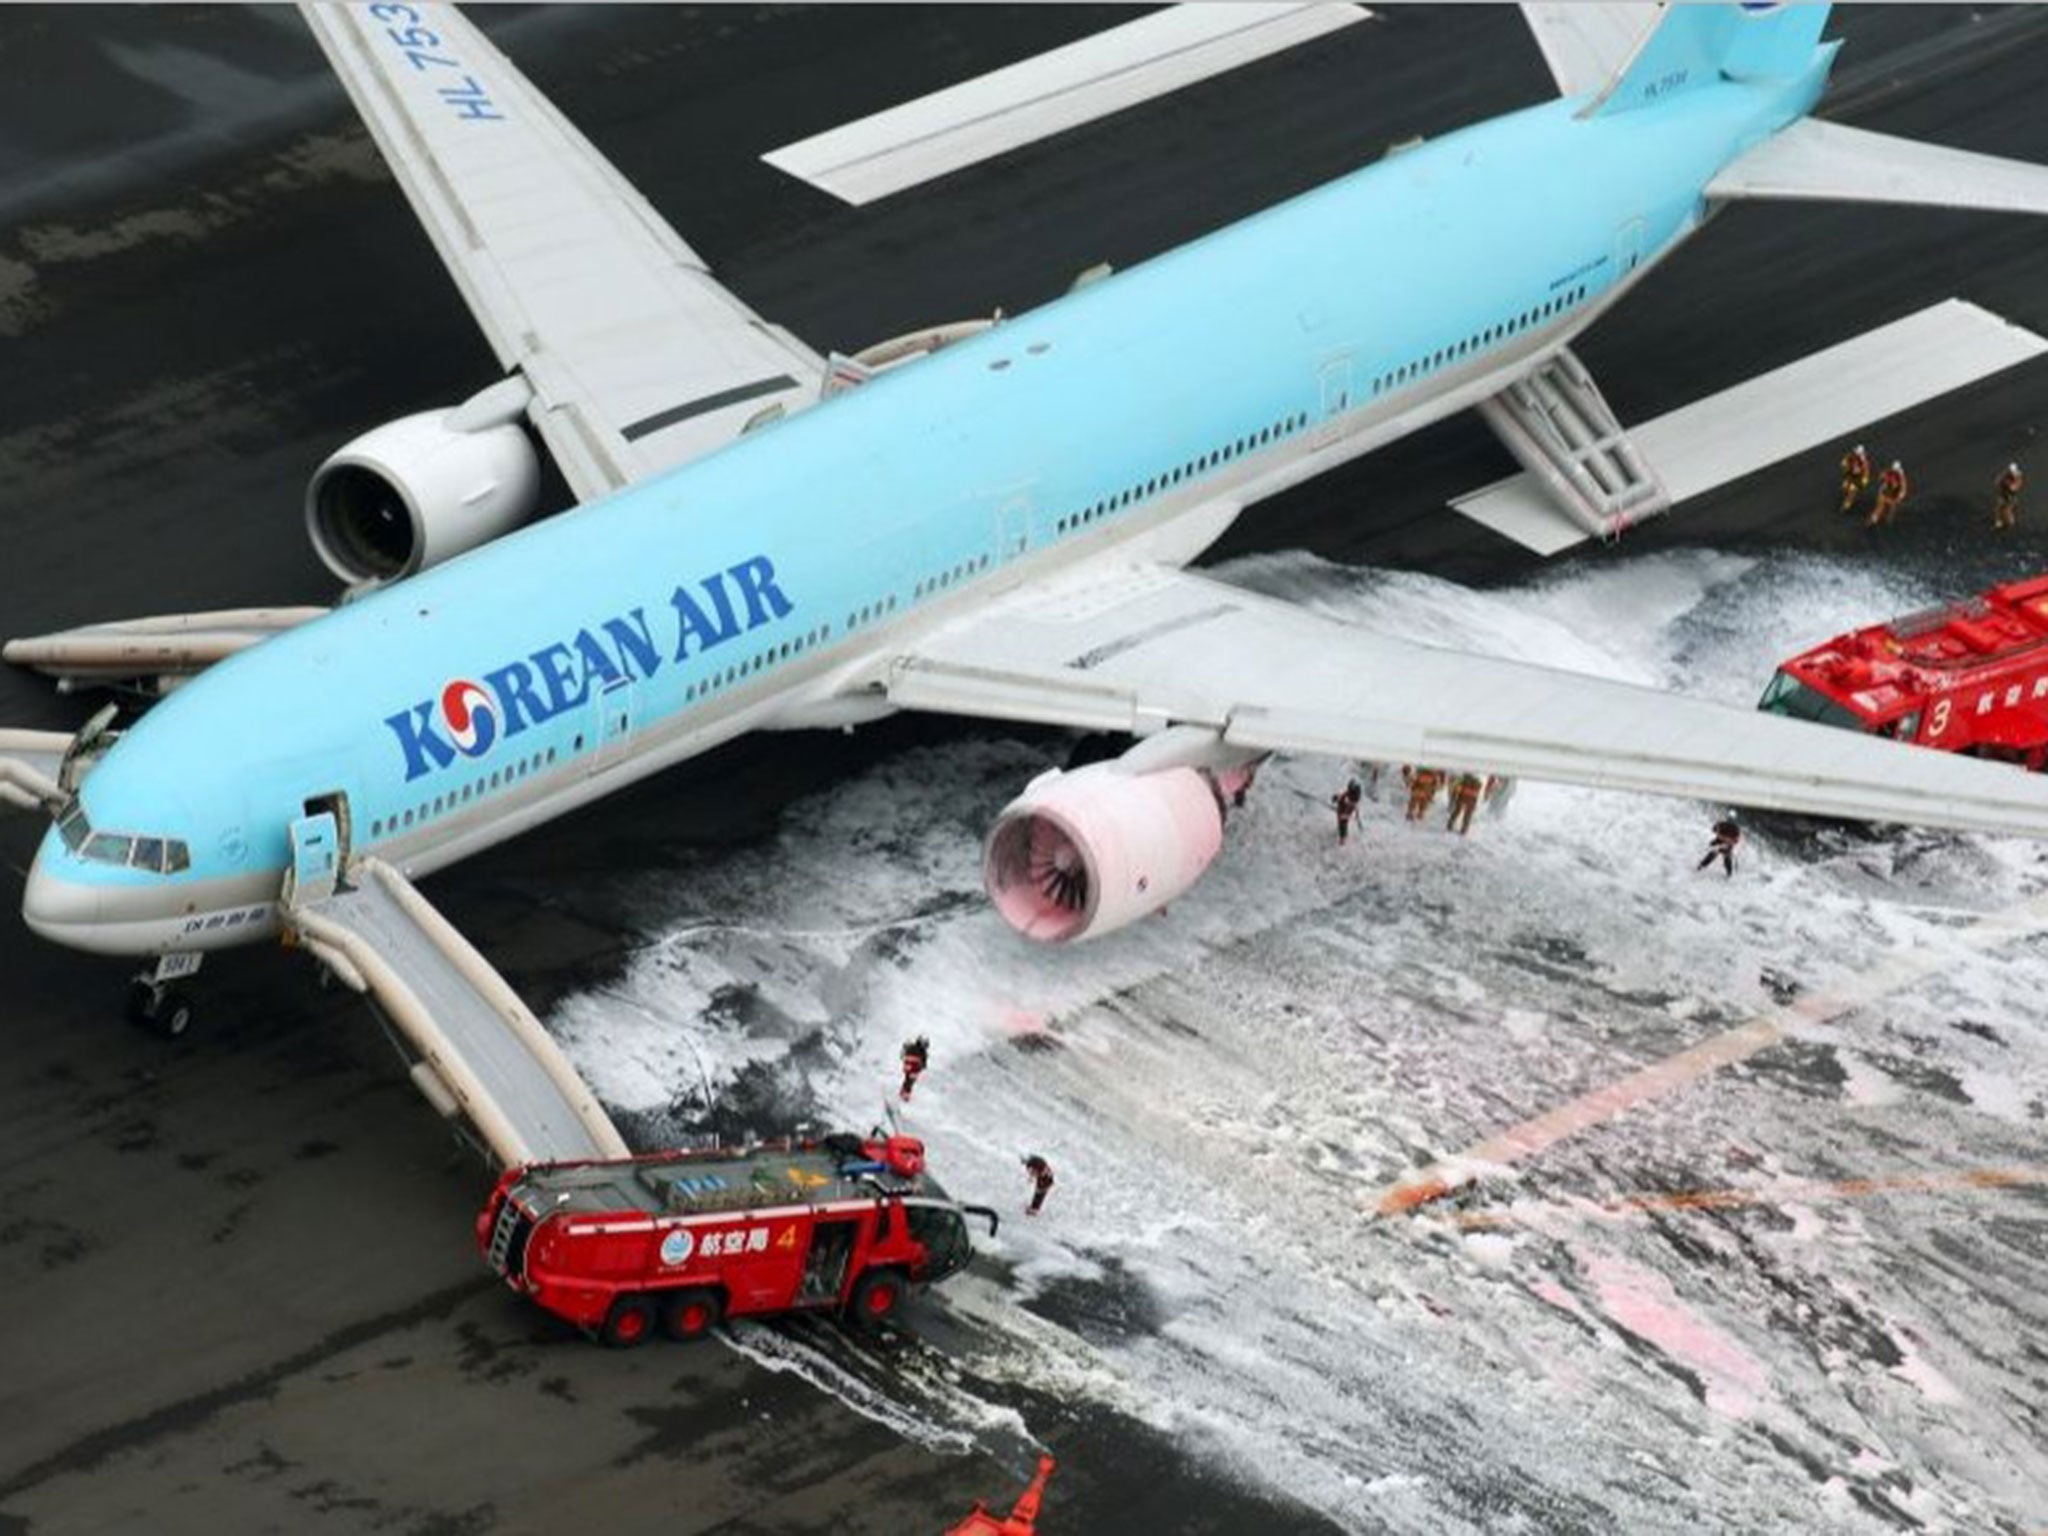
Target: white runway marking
<point>1526,1140</point>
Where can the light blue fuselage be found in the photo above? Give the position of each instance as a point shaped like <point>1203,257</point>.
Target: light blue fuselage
<point>1214,374</point>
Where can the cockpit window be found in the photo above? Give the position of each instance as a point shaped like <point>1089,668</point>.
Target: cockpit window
<point>109,847</point>
<point>74,828</point>
<point>162,855</point>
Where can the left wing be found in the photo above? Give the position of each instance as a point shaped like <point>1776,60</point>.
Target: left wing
<point>1142,648</point>
<point>638,358</point>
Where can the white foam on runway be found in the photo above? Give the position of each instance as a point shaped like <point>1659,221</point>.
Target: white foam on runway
<point>1218,1086</point>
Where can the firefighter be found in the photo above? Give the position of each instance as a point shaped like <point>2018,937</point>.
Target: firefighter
<point>1423,784</point>
<point>1465,790</point>
<point>2007,512</point>
<point>1855,477</point>
<point>1500,789</point>
<point>1892,487</point>
<point>1041,1182</point>
<point>1726,836</point>
<point>917,1054</point>
<point>1346,805</point>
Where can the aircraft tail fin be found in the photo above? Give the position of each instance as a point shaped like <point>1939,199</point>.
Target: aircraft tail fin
<point>1692,46</point>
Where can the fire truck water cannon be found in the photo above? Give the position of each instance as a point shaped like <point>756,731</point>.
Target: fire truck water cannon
<point>1085,853</point>
<point>679,1241</point>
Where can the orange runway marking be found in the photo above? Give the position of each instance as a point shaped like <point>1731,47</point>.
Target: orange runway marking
<point>1674,1072</point>
<point>1787,1192</point>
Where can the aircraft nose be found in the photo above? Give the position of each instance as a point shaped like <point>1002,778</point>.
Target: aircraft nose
<point>55,907</point>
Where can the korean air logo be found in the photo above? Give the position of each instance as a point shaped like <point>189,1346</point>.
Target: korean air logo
<point>472,717</point>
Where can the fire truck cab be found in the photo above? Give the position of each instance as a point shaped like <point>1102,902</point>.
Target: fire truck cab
<point>1971,676</point>
<point>680,1240</point>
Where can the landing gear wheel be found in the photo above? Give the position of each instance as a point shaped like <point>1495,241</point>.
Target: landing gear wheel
<point>173,1014</point>
<point>628,1323</point>
<point>876,1297</point>
<point>166,1011</point>
<point>691,1314</point>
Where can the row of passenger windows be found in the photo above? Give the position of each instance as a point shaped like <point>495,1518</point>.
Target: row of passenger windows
<point>753,664</point>
<point>159,855</point>
<point>871,612</point>
<point>1549,308</point>
<point>1197,466</point>
<point>946,578</point>
<point>385,826</point>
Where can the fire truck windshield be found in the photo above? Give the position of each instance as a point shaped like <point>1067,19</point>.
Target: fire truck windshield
<point>943,1232</point>
<point>1788,696</point>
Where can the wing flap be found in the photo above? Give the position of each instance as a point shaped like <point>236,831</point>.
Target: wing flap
<point>1830,163</point>
<point>572,276</point>
<point>1143,648</point>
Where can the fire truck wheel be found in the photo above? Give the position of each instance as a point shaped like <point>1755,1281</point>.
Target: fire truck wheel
<point>691,1314</point>
<point>630,1320</point>
<point>876,1297</point>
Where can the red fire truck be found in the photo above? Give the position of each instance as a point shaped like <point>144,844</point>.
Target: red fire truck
<point>681,1239</point>
<point>1968,677</point>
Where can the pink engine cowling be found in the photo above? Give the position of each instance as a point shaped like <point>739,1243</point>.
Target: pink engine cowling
<point>1083,853</point>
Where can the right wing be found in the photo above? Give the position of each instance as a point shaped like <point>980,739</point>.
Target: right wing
<point>1142,648</point>
<point>639,360</point>
<point>29,765</point>
<point>150,655</point>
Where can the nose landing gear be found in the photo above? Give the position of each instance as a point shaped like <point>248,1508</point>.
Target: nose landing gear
<point>156,1003</point>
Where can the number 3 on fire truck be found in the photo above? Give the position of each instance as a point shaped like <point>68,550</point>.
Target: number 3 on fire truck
<point>1939,723</point>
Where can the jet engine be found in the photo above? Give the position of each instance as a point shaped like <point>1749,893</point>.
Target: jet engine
<point>419,490</point>
<point>1084,853</point>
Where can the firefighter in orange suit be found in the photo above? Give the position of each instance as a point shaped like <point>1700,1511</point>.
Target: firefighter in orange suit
<point>1855,477</point>
<point>1465,790</point>
<point>917,1055</point>
<point>1422,787</point>
<point>2007,512</point>
<point>1892,487</point>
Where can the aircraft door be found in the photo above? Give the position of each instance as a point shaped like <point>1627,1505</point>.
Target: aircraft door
<point>1013,526</point>
<point>616,706</point>
<point>1628,249</point>
<point>1335,377</point>
<point>316,861</point>
<point>335,803</point>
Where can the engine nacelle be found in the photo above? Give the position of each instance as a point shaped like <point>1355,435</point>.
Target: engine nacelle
<point>1083,853</point>
<point>418,491</point>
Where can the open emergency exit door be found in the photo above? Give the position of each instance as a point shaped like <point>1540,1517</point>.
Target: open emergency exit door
<point>316,859</point>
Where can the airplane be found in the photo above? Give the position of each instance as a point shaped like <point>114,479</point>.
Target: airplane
<point>996,525</point>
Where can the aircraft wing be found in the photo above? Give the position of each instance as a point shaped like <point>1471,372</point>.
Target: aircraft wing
<point>1141,648</point>
<point>1586,45</point>
<point>639,360</point>
<point>29,765</point>
<point>1828,162</point>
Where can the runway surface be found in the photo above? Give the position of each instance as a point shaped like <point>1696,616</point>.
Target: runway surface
<point>243,1294</point>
